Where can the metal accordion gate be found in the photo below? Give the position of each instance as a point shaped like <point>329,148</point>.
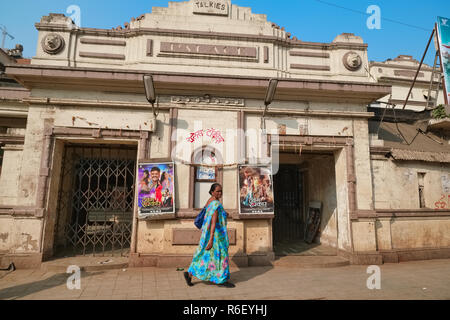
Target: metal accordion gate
<point>288,224</point>
<point>96,199</point>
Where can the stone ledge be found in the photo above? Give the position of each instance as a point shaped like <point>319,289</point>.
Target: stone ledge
<point>183,260</point>
<point>404,255</point>
<point>362,258</point>
<point>22,261</point>
<point>395,256</point>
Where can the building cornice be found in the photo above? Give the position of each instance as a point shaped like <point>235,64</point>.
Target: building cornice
<point>134,32</point>
<point>34,76</point>
<point>399,66</point>
<point>168,106</point>
<point>394,80</point>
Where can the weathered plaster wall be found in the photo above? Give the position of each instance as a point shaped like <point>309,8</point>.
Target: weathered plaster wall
<point>343,219</point>
<point>32,153</point>
<point>52,206</point>
<point>20,235</point>
<point>364,236</point>
<point>257,237</point>
<point>410,233</point>
<point>322,187</point>
<point>9,177</point>
<point>362,165</point>
<point>396,184</point>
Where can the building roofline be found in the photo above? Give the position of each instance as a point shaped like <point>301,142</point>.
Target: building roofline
<point>126,33</point>
<point>170,82</point>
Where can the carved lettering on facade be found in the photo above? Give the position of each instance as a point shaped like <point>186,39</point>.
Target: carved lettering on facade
<point>211,7</point>
<point>207,100</point>
<point>216,50</point>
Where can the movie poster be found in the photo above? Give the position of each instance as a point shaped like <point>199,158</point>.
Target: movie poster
<point>256,189</point>
<point>444,46</point>
<point>156,191</point>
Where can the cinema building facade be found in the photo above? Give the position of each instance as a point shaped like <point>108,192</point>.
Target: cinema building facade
<point>73,139</point>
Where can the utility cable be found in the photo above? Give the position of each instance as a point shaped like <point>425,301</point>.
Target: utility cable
<point>384,113</point>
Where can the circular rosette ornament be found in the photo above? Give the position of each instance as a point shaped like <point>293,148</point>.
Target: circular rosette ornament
<point>352,61</point>
<point>53,43</point>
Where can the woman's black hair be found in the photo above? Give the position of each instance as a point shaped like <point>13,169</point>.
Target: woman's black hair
<point>163,176</point>
<point>213,188</point>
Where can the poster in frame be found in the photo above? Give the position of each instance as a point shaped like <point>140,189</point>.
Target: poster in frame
<point>443,41</point>
<point>255,189</point>
<point>156,188</point>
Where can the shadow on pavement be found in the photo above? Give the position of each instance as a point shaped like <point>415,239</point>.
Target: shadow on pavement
<point>27,289</point>
<point>247,273</point>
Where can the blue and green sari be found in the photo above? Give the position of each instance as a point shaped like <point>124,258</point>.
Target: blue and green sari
<point>212,265</point>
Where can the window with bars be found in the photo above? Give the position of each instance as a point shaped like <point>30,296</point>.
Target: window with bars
<point>421,179</point>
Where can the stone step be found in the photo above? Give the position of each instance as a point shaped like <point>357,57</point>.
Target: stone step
<point>87,264</point>
<point>310,261</point>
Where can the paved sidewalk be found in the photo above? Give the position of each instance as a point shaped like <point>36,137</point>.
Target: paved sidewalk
<point>412,280</point>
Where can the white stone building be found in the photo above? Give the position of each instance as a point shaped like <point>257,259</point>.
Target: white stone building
<point>87,120</point>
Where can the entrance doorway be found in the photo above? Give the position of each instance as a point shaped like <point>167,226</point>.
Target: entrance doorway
<point>305,222</point>
<point>96,198</point>
<point>288,225</point>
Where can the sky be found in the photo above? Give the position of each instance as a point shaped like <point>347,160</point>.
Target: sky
<point>405,27</point>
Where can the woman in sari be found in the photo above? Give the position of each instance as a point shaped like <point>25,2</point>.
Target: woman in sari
<point>211,260</point>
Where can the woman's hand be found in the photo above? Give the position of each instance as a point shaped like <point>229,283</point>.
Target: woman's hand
<point>210,245</point>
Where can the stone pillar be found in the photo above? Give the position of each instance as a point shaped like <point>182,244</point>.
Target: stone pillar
<point>342,193</point>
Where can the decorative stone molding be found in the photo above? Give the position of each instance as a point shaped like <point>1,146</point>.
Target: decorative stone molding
<point>97,55</point>
<point>53,43</point>
<point>94,41</point>
<point>207,100</point>
<point>310,67</point>
<point>352,61</point>
<point>309,54</point>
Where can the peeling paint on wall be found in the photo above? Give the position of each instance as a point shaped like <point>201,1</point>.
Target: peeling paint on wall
<point>28,244</point>
<point>4,237</point>
<point>445,179</point>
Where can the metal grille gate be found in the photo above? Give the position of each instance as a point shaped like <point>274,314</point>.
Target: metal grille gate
<point>288,224</point>
<point>98,199</point>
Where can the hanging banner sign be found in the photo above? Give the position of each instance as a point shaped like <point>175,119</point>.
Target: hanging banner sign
<point>156,190</point>
<point>256,189</point>
<point>443,36</point>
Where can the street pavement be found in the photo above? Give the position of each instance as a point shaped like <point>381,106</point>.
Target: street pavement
<point>422,280</point>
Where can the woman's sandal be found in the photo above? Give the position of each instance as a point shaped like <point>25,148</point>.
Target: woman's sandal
<point>227,285</point>
<point>188,279</point>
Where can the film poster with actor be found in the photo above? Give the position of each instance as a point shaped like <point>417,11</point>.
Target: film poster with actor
<point>256,190</point>
<point>156,189</point>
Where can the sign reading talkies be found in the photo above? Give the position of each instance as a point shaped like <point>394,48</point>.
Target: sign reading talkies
<point>444,46</point>
<point>217,7</point>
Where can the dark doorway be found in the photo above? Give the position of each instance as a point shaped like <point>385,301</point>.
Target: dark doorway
<point>288,225</point>
<point>96,200</point>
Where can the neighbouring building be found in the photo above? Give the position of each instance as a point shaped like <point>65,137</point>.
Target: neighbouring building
<point>76,130</point>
